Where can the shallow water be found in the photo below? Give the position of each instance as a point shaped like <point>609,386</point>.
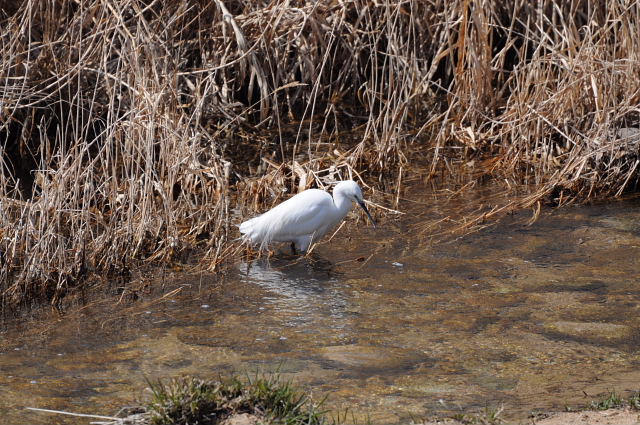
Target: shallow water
<point>393,328</point>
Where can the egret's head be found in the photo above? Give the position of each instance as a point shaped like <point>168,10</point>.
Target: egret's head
<point>351,190</point>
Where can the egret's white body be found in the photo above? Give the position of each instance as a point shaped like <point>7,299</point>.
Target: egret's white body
<point>304,218</point>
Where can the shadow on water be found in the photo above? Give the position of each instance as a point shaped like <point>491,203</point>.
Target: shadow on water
<point>529,317</point>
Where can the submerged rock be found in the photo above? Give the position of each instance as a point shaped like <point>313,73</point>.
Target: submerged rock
<point>593,331</point>
<point>382,359</point>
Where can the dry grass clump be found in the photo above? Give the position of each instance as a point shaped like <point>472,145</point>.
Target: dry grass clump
<point>125,124</point>
<point>556,95</point>
<point>102,162</point>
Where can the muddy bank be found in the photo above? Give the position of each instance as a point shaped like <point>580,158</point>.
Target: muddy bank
<point>609,417</point>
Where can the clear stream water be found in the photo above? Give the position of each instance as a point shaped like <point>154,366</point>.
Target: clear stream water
<point>387,325</point>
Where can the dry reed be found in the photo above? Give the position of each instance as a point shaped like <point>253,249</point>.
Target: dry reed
<point>126,124</point>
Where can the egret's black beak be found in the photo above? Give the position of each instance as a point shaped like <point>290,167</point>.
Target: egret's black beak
<point>364,207</point>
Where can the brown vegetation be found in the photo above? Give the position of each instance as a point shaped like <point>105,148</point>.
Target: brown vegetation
<point>125,124</point>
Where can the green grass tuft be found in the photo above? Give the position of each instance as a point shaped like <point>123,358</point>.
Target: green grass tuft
<point>490,416</point>
<point>634,400</point>
<point>194,401</point>
<point>614,400</point>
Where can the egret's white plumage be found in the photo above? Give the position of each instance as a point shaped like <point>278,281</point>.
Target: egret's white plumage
<point>304,218</point>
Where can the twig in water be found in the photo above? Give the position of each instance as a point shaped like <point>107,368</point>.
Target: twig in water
<point>83,415</point>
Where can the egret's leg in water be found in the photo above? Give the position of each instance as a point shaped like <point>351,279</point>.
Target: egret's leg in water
<point>303,243</point>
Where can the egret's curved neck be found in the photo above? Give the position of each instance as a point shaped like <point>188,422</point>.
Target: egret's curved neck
<point>342,203</point>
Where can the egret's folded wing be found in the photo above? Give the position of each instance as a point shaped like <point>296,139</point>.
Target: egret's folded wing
<point>303,214</point>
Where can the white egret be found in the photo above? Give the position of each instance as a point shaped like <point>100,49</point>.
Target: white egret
<point>304,218</point>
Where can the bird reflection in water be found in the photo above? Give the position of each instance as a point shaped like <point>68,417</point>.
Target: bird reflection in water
<point>305,287</point>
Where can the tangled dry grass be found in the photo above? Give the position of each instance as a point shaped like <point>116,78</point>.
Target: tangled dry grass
<point>127,124</point>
